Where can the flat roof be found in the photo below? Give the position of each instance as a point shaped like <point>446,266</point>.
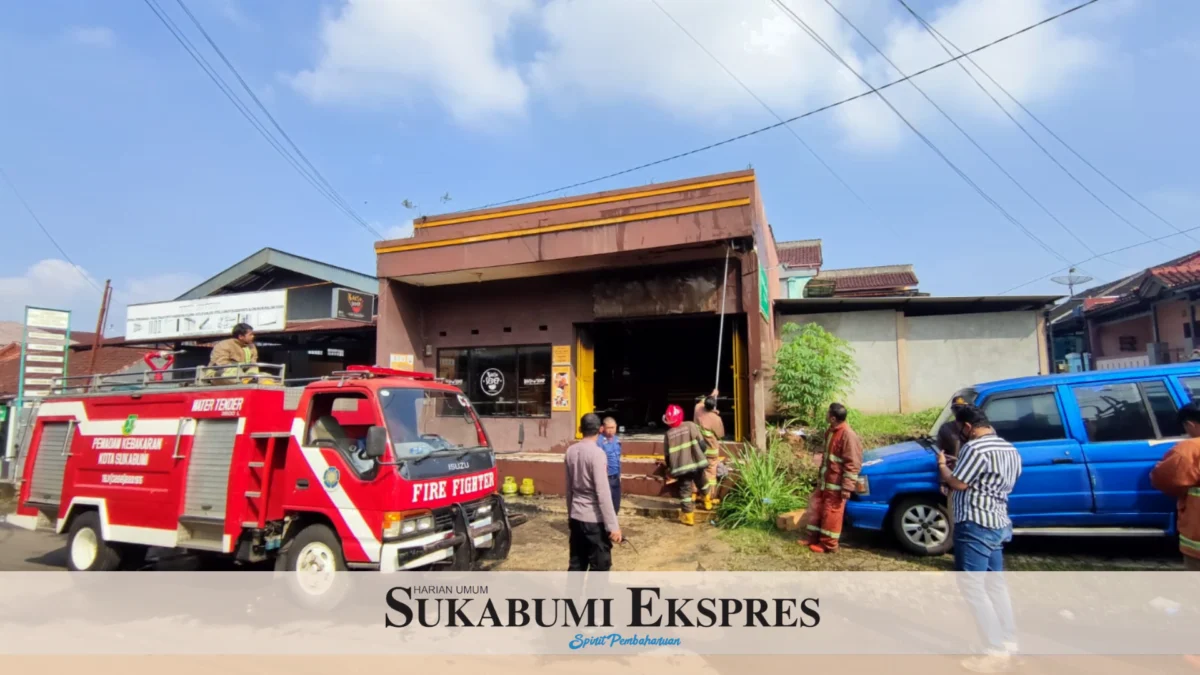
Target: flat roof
<point>920,305</point>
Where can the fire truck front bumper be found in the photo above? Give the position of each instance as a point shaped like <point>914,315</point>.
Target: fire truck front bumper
<point>464,534</point>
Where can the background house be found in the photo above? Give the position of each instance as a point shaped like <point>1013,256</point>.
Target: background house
<point>801,276</point>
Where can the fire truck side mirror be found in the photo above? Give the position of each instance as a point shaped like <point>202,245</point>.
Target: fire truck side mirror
<point>376,442</point>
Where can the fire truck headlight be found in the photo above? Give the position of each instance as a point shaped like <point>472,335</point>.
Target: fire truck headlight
<point>399,524</point>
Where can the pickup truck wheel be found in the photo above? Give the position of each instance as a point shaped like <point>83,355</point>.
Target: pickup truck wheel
<point>922,525</point>
<point>86,549</point>
<point>314,562</point>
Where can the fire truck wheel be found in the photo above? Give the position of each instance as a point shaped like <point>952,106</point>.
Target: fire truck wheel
<point>315,564</point>
<point>86,549</point>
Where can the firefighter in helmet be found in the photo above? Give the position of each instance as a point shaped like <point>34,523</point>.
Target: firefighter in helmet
<point>684,452</point>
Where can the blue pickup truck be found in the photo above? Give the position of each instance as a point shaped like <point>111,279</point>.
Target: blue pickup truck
<point>1087,441</point>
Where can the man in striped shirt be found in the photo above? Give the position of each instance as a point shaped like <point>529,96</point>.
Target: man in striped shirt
<point>986,471</point>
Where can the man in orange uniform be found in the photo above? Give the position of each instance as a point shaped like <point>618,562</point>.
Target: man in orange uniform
<point>713,429</point>
<point>1178,475</point>
<point>838,480</point>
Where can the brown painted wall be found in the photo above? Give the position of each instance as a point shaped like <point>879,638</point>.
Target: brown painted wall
<point>411,318</point>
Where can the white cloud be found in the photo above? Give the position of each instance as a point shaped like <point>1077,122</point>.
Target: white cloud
<point>57,284</point>
<point>376,51</point>
<point>402,231</point>
<point>466,55</point>
<point>92,36</point>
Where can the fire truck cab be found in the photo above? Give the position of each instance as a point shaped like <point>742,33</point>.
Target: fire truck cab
<point>365,469</point>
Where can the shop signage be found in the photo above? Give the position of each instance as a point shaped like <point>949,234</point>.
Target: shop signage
<point>44,351</point>
<point>491,382</point>
<point>266,312</point>
<point>401,362</point>
<point>560,400</point>
<point>353,305</point>
<point>562,355</point>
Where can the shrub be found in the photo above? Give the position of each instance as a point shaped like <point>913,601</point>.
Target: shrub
<point>812,368</point>
<point>765,483</point>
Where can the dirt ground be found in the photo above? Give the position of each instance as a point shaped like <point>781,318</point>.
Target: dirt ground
<point>660,544</point>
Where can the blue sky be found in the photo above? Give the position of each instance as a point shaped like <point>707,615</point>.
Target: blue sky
<point>147,175</point>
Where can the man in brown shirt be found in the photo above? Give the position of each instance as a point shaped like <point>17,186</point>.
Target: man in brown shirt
<point>1178,475</point>
<point>713,430</point>
<point>238,348</point>
<point>590,515</point>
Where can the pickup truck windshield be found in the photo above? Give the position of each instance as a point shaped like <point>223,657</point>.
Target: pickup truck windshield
<point>963,396</point>
<point>424,421</point>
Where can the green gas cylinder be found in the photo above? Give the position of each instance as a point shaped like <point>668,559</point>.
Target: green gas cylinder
<point>509,486</point>
<point>527,487</point>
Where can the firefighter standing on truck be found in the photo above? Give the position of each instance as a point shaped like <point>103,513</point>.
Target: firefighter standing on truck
<point>239,348</point>
<point>838,481</point>
<point>713,429</point>
<point>683,450</point>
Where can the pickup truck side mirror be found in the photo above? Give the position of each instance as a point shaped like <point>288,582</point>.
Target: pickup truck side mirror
<point>376,442</point>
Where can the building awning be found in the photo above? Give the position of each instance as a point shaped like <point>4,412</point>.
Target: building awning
<point>918,306</point>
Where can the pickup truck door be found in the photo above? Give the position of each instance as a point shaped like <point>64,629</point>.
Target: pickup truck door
<point>1053,488</point>
<point>1125,428</point>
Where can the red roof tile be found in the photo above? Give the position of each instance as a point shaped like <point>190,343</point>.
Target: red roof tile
<point>805,253</point>
<point>863,279</point>
<point>1179,273</point>
<point>109,360</point>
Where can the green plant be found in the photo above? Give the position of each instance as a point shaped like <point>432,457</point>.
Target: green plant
<point>765,484</point>
<point>812,368</point>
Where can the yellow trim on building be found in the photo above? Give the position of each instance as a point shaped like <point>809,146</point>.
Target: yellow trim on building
<point>584,202</point>
<point>633,217</point>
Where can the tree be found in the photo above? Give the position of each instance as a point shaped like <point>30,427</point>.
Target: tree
<point>813,367</point>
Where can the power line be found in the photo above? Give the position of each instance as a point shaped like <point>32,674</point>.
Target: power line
<point>316,173</point>
<point>967,179</point>
<point>246,113</point>
<point>1186,232</point>
<point>968,136</point>
<point>45,231</point>
<point>939,38</point>
<point>761,102</point>
<point>785,122</point>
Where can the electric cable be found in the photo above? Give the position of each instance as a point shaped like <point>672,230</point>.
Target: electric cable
<point>245,112</point>
<point>45,230</point>
<point>942,41</point>
<point>769,127</point>
<point>967,179</point>
<point>315,172</point>
<point>963,131</point>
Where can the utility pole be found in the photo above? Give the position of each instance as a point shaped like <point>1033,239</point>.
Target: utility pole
<point>100,319</point>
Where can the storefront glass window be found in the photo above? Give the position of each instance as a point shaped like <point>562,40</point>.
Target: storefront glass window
<point>501,381</point>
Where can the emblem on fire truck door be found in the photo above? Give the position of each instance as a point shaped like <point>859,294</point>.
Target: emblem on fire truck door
<point>129,422</point>
<point>332,477</point>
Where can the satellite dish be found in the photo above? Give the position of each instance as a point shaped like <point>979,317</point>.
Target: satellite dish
<point>1070,280</point>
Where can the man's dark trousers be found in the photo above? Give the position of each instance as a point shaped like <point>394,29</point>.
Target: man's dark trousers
<point>614,486</point>
<point>591,549</point>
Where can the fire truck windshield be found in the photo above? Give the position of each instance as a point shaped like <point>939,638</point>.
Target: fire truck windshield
<point>425,421</point>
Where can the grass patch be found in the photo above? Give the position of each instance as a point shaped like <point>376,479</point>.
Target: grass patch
<point>886,429</point>
<point>765,484</point>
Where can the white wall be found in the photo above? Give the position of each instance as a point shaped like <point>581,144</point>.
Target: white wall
<point>938,354</point>
<point>873,337</point>
<point>949,352</point>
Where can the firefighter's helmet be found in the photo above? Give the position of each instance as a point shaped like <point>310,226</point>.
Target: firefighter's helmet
<point>674,416</point>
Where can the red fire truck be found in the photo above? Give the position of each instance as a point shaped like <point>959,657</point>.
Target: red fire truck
<point>369,468</point>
